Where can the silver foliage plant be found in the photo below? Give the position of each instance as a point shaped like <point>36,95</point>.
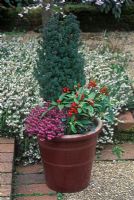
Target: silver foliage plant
<point>19,90</point>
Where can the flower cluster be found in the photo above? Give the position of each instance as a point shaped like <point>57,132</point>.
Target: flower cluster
<point>48,126</point>
<point>82,105</point>
<point>73,109</point>
<point>66,90</point>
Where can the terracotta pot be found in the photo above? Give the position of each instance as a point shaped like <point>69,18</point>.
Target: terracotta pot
<point>68,160</point>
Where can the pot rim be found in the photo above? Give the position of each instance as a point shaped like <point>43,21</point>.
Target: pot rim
<point>85,136</point>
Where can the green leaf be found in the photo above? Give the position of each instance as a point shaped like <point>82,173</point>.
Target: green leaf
<point>72,118</point>
<point>85,122</point>
<point>79,123</point>
<point>73,128</point>
<point>109,118</point>
<point>60,106</point>
<point>67,105</point>
<point>79,110</point>
<point>85,105</point>
<point>76,101</point>
<point>92,95</point>
<point>54,103</point>
<point>91,110</point>
<point>62,96</point>
<point>97,105</point>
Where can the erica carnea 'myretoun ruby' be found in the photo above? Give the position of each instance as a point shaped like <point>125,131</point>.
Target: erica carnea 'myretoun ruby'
<point>45,127</point>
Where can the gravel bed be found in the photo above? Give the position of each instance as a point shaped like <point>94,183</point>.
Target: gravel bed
<point>110,181</point>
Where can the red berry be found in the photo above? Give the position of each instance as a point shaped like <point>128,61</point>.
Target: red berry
<point>104,90</point>
<point>70,113</point>
<point>82,97</point>
<point>91,102</point>
<point>76,94</point>
<point>74,104</point>
<point>92,83</point>
<point>59,101</point>
<point>79,85</point>
<point>66,90</point>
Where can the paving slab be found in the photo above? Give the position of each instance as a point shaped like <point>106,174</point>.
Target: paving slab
<point>33,188</point>
<point>30,169</point>
<point>5,198</point>
<point>7,148</point>
<point>36,198</point>
<point>7,141</point>
<point>5,178</point>
<point>107,154</point>
<point>5,190</point>
<point>6,167</point>
<point>29,180</point>
<point>6,157</point>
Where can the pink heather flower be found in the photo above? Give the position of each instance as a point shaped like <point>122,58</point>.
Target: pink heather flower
<point>46,127</point>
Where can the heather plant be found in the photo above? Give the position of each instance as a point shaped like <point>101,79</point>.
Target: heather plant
<point>60,63</point>
<point>48,127</point>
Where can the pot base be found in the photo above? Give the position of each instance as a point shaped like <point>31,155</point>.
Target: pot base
<point>68,160</point>
<point>68,178</point>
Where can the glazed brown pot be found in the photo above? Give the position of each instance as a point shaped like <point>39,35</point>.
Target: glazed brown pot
<point>68,160</point>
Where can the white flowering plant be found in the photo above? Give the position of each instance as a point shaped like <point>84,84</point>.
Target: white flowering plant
<point>19,90</point>
<point>109,68</point>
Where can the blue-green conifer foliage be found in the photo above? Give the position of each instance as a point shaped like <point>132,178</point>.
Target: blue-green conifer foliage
<point>59,64</point>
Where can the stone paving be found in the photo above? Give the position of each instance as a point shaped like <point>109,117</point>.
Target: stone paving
<point>107,152</point>
<point>6,167</point>
<point>30,181</point>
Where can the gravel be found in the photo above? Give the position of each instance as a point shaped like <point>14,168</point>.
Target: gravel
<point>110,181</point>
